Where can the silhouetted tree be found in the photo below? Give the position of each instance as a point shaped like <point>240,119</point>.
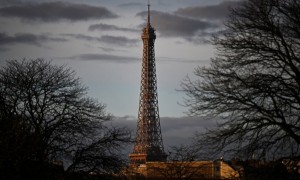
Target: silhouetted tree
<point>16,145</point>
<point>104,154</point>
<point>253,83</point>
<point>47,117</point>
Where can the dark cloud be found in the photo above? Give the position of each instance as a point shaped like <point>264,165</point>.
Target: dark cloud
<point>55,11</point>
<point>104,57</point>
<point>201,38</point>
<point>27,38</point>
<point>178,131</point>
<point>9,2</point>
<point>115,40</point>
<point>133,4</point>
<point>214,12</point>
<point>175,131</point>
<point>171,25</point>
<point>120,40</point>
<point>107,27</point>
<point>82,37</point>
<point>180,60</point>
<point>3,49</point>
<point>106,49</point>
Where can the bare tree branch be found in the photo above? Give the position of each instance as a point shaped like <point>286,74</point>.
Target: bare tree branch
<point>253,83</point>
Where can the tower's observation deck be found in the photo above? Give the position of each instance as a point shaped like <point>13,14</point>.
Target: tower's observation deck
<point>149,144</point>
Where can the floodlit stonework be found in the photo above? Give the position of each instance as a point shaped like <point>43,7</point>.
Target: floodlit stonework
<point>183,170</point>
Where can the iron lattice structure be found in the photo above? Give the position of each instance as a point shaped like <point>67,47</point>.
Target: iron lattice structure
<point>149,144</point>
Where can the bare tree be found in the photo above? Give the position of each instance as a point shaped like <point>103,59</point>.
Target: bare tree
<point>253,83</point>
<point>103,154</point>
<point>49,104</point>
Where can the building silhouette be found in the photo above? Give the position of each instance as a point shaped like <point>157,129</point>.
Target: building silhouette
<point>149,144</point>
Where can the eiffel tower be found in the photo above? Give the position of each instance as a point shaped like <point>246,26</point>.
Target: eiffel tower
<point>149,144</point>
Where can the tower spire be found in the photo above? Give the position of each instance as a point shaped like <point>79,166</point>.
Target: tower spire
<point>148,20</point>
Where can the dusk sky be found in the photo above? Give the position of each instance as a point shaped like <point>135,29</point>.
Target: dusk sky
<point>100,40</point>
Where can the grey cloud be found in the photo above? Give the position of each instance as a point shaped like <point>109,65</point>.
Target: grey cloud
<point>82,37</point>
<point>171,25</point>
<point>9,2</point>
<point>132,4</point>
<point>105,57</point>
<point>115,40</point>
<point>175,131</point>
<point>107,27</point>
<point>179,60</point>
<point>27,38</point>
<point>107,49</point>
<point>55,11</point>
<point>3,49</point>
<point>214,12</point>
<point>202,38</point>
<point>120,40</point>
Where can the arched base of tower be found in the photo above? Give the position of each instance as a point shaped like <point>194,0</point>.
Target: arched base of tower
<point>136,159</point>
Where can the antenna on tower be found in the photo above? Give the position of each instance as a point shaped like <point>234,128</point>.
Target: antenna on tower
<point>148,11</point>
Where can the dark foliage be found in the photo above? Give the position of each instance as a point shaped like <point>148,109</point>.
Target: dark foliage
<point>46,117</point>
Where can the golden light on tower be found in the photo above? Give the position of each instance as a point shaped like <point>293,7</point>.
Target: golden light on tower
<point>149,144</point>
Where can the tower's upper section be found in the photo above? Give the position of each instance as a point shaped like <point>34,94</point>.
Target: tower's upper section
<point>148,31</point>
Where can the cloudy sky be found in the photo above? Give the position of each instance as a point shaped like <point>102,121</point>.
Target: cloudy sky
<point>100,40</point>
